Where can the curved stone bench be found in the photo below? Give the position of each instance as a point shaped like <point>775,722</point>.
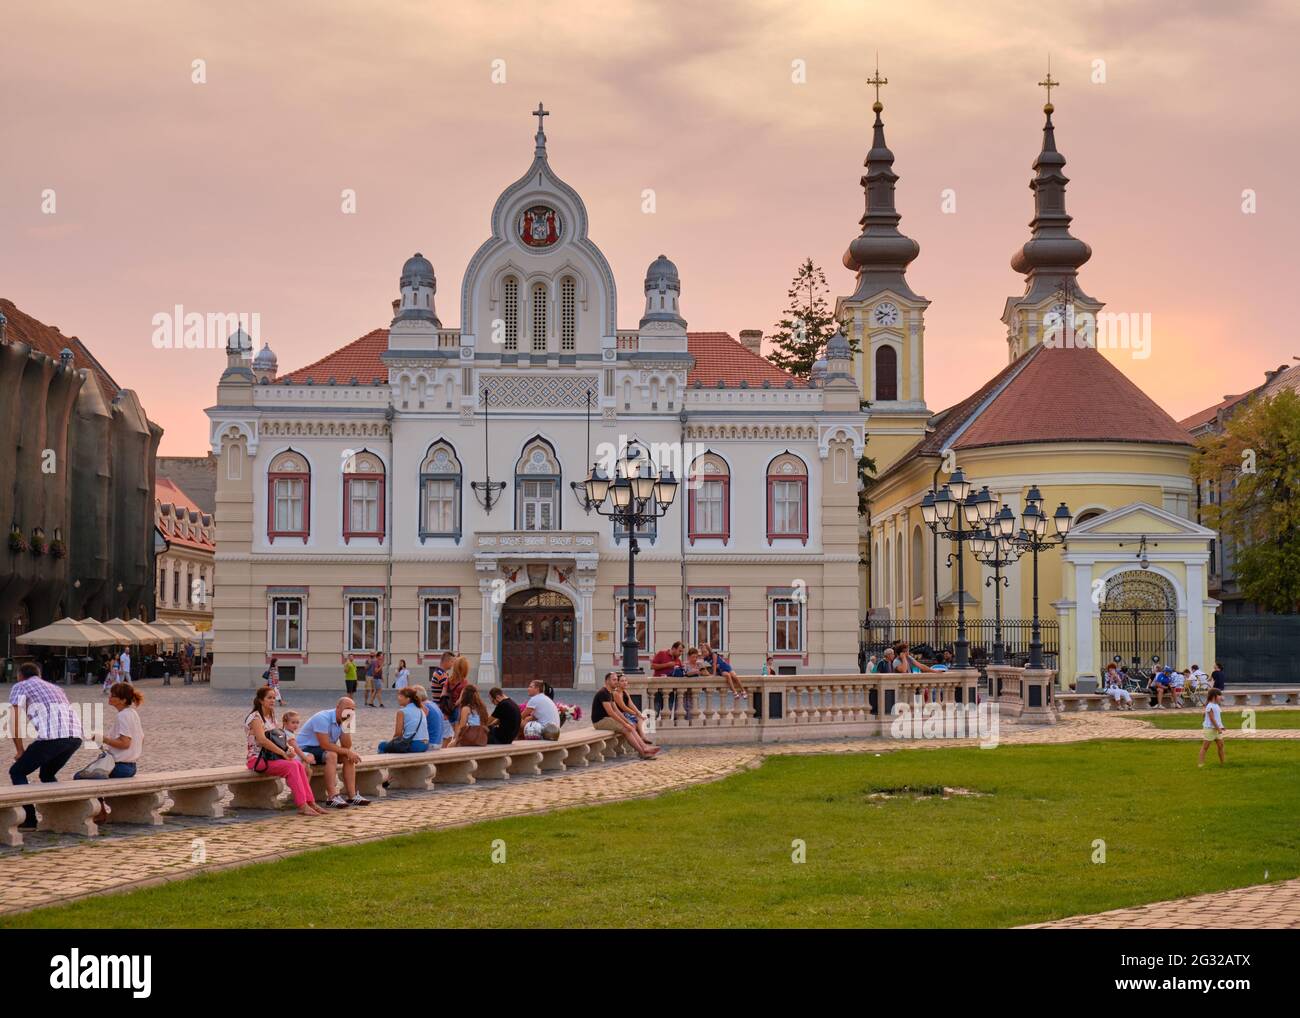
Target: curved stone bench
<point>68,807</point>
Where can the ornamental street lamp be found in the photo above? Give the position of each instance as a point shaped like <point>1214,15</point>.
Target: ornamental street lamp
<point>994,547</point>
<point>1033,538</point>
<point>954,513</point>
<point>487,491</point>
<point>635,496</point>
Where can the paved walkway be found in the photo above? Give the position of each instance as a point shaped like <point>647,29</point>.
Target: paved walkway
<point>1264,907</point>
<point>191,726</point>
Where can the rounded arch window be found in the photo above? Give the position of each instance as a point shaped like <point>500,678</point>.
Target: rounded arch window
<point>288,506</point>
<point>886,373</point>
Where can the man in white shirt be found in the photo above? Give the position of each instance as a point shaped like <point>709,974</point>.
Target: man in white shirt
<point>541,717</point>
<point>124,662</point>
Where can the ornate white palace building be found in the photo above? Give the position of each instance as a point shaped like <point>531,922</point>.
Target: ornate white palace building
<point>347,520</point>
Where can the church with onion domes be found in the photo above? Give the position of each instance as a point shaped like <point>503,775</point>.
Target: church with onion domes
<point>421,489</point>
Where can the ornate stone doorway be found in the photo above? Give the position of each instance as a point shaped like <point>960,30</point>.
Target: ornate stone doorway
<point>538,639</point>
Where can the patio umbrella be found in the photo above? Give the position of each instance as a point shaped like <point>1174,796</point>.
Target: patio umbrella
<point>69,632</point>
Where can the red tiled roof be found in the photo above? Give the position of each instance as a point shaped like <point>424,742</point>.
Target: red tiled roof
<point>1070,394</point>
<point>1050,394</point>
<point>717,356</point>
<point>359,360</point>
<point>1285,378</point>
<point>165,491</point>
<point>23,328</point>
<point>1207,415</point>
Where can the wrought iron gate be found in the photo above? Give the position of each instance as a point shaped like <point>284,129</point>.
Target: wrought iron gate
<point>1139,620</point>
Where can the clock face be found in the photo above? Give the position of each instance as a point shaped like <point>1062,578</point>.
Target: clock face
<point>886,313</point>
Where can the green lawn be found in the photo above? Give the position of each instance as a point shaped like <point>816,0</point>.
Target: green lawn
<point>720,854</point>
<point>1231,719</point>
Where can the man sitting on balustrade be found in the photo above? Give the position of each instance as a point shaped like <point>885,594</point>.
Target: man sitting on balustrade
<point>665,661</point>
<point>605,716</point>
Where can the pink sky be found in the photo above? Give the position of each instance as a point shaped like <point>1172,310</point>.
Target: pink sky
<point>225,196</point>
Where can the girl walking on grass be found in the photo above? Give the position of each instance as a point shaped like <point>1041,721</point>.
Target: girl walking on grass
<point>1212,727</point>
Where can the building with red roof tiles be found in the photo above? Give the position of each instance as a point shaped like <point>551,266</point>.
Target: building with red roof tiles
<point>1060,422</point>
<point>76,466</point>
<point>413,491</point>
<point>186,560</point>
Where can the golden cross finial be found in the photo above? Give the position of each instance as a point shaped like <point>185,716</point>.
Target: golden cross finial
<point>1047,82</point>
<point>877,80</point>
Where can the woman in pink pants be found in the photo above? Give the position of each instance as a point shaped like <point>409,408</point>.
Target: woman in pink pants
<point>259,721</point>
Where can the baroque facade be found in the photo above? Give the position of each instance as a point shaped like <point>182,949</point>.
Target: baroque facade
<point>347,518</point>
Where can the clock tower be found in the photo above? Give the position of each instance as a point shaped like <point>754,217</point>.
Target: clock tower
<point>1052,309</point>
<point>883,314</point>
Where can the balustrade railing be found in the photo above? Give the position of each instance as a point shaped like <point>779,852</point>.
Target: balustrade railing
<point>779,707</point>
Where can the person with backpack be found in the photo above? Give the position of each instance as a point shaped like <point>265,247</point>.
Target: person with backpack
<point>1212,729</point>
<point>268,752</point>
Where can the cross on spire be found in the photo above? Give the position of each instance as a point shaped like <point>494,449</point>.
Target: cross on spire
<point>876,80</point>
<point>540,112</point>
<point>1047,82</point>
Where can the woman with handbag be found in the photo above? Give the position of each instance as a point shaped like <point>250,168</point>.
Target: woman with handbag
<point>122,743</point>
<point>471,728</point>
<point>268,752</point>
<point>411,733</point>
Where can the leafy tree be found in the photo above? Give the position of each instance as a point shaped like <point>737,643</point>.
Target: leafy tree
<point>1255,464</point>
<point>809,323</point>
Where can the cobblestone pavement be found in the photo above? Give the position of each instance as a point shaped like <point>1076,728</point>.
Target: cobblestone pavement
<point>1264,907</point>
<point>197,726</point>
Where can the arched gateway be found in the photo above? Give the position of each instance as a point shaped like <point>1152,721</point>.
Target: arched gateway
<point>537,639</point>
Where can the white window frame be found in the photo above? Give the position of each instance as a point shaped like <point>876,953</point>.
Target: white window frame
<point>365,499</point>
<point>721,602</point>
<point>348,618</point>
<point>451,622</point>
<point>549,502</point>
<point>800,617</point>
<point>272,624</point>
<point>620,624</point>
<point>290,499</point>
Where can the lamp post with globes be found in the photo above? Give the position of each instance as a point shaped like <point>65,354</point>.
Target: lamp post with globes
<point>954,513</point>
<point>995,547</point>
<point>637,494</point>
<point>1033,538</point>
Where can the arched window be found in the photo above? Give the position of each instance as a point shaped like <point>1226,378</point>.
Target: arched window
<point>568,313</point>
<point>511,316</point>
<point>440,483</point>
<point>288,497</point>
<point>538,319</point>
<point>889,575</point>
<point>900,592</point>
<point>363,496</point>
<point>787,499</point>
<point>537,487</point>
<point>918,563</point>
<point>708,504</point>
<point>1088,514</point>
<point>886,373</point>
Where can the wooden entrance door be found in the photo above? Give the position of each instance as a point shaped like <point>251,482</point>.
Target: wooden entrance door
<point>537,639</point>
